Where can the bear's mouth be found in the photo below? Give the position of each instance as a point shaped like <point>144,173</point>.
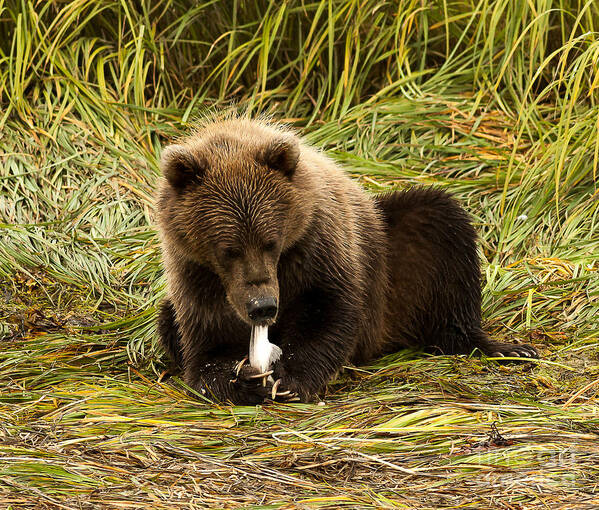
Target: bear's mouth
<point>259,322</point>
<point>265,323</point>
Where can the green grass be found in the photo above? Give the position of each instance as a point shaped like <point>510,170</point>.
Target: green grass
<point>497,100</point>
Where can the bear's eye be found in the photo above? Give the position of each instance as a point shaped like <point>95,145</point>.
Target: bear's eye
<point>270,246</point>
<point>231,253</point>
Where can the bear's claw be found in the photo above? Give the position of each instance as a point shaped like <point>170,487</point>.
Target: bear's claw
<point>524,351</point>
<point>263,375</point>
<point>286,395</point>
<point>239,366</point>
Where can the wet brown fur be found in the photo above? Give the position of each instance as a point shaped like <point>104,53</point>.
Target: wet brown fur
<point>247,208</point>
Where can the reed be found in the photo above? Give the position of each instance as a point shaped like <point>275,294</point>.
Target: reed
<point>496,100</point>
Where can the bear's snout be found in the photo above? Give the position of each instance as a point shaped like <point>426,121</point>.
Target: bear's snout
<point>262,309</point>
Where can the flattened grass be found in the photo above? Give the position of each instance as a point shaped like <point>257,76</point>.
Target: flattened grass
<point>495,100</point>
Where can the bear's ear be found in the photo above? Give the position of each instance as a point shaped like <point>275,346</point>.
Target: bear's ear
<point>282,155</point>
<point>180,166</point>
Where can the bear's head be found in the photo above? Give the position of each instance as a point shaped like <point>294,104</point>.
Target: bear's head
<point>233,207</point>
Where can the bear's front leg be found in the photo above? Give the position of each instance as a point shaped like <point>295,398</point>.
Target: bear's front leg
<point>317,336</point>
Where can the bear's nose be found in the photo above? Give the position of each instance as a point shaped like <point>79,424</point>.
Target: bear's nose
<point>262,308</point>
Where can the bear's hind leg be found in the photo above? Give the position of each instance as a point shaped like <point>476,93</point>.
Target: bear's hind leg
<point>480,340</point>
<point>454,339</point>
<point>435,271</point>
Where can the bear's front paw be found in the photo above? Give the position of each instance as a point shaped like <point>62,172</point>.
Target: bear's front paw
<point>286,387</point>
<point>281,393</point>
<point>249,386</point>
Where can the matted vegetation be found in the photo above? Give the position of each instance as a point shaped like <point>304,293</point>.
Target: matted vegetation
<point>497,100</point>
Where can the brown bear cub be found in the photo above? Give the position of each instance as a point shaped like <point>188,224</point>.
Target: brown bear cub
<point>258,228</point>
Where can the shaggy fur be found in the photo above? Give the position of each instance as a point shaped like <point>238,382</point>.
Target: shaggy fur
<point>247,210</point>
